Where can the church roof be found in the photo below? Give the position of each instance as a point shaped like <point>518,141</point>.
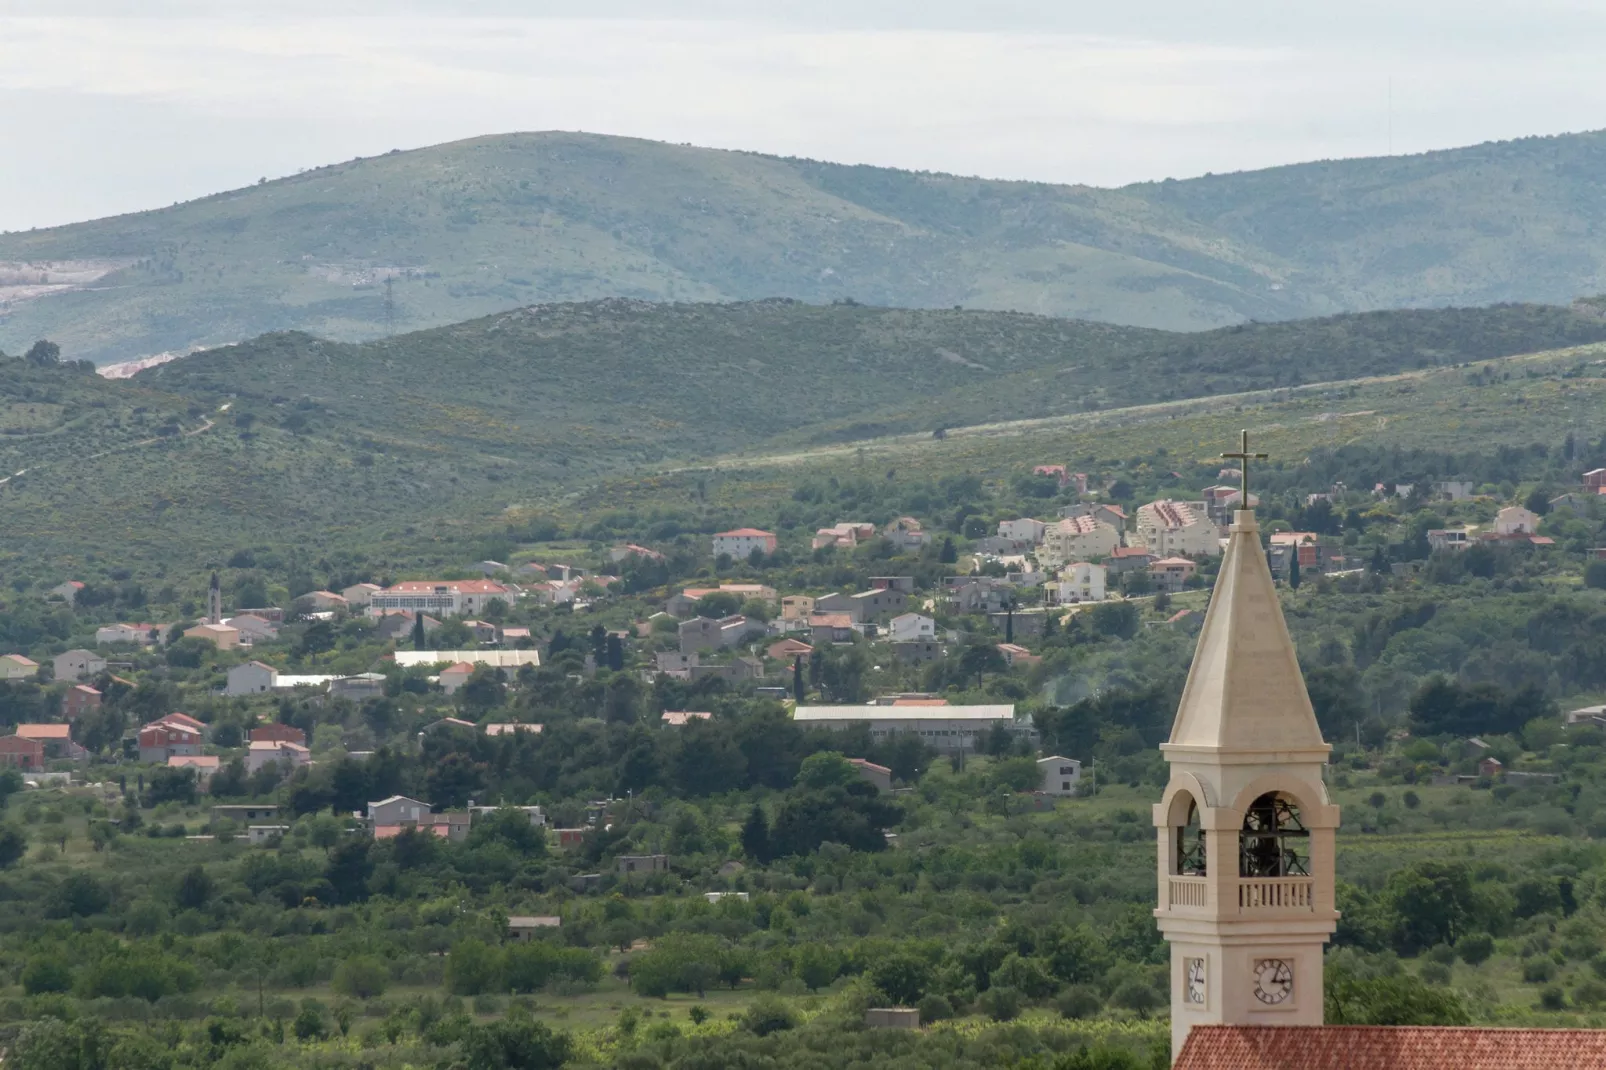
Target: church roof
<point>1245,691</point>
<point>1365,1047</point>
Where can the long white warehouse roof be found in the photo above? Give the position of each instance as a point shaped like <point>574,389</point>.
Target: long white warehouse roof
<point>905,713</point>
<point>501,659</point>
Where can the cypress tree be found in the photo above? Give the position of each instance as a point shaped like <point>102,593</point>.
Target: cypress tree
<point>756,835</point>
<point>797,679</point>
<point>420,640</point>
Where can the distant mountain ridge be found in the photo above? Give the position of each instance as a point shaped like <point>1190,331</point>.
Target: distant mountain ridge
<point>476,227</point>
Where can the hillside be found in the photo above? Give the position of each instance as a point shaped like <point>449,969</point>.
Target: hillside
<point>415,444</point>
<point>475,227</point>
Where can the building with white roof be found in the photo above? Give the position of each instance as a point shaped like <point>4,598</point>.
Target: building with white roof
<point>942,727</point>
<point>497,659</point>
<point>442,597</point>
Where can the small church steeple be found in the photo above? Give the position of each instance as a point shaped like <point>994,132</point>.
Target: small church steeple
<point>1245,829</point>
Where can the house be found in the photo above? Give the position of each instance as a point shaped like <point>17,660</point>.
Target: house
<point>205,766</point>
<point>455,676</point>
<point>679,718</point>
<point>1491,767</point>
<point>252,628</point>
<point>525,927</point>
<point>172,735</point>
<point>1076,538</point>
<point>79,700</point>
<point>831,628</point>
<point>77,664</point>
<point>251,678</point>
<point>326,601</point>
<point>245,812</point>
<point>1024,530</point>
<point>142,634</point>
<point>1454,490</point>
<point>1079,581</point>
<point>358,688</point>
<point>278,733</point>
<point>906,584</point>
<point>1171,574</point>
<point>674,663</point>
<point>741,542</point>
<point>490,568</point>
<point>455,598</point>
<point>259,835</point>
<point>877,775</point>
<point>944,728</point>
<point>398,810</point>
<point>977,594</point>
<point>67,592</point>
<point>263,752</point>
<point>1171,529</point>
<point>1015,654</point>
<point>840,603</point>
<point>1595,480</point>
<point>797,607</point>
<point>571,837</point>
<point>483,631</point>
<point>448,724</point>
<point>998,546</point>
<point>1447,539</point>
<point>399,624</point>
<point>1571,500</point>
<point>1061,776</point>
<point>359,595</point>
<point>20,752</point>
<point>878,603</point>
<point>1129,559</point>
<point>514,635</point>
<point>700,633</point>
<point>509,728</point>
<point>221,636</point>
<point>56,739</point>
<point>17,667</point>
<point>1515,520</point>
<point>1306,543</point>
<point>787,649</point>
<point>630,550</point>
<point>917,652</point>
<point>1022,623</point>
<point>632,864</point>
<point>905,533</point>
<point>846,534</point>
<point>892,1018</point>
<point>911,628</point>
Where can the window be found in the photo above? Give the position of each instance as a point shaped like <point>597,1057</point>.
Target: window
<point>1274,841</point>
<point>1190,845</point>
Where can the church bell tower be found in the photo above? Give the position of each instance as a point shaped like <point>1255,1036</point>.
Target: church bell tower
<point>1245,829</point>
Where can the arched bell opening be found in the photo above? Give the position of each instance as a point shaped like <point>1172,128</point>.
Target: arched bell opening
<point>1187,838</point>
<point>1274,841</point>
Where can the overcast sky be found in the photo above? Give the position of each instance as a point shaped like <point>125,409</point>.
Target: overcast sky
<point>109,106</point>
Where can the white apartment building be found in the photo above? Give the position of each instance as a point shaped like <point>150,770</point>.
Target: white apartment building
<point>1024,530</point>
<point>1177,529</point>
<point>912,628</point>
<point>944,728</point>
<point>441,598</point>
<point>1079,581</point>
<point>1076,538</point>
<point>741,542</point>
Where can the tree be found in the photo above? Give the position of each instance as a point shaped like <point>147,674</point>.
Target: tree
<point>797,668</point>
<point>1293,569</point>
<point>194,889</point>
<point>615,659</point>
<point>13,846</point>
<point>420,639</point>
<point>171,785</point>
<point>473,967</point>
<point>43,354</point>
<point>361,977</point>
<point>517,1042</point>
<point>1395,1000</point>
<point>756,835</point>
<point>901,977</point>
<point>947,555</point>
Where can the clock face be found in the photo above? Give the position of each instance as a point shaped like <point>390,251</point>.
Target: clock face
<point>1274,981</point>
<point>1194,980</point>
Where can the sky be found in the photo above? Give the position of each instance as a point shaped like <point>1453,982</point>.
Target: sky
<point>109,106</point>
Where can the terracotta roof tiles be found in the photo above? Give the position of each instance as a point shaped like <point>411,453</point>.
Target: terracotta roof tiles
<point>1339,1047</point>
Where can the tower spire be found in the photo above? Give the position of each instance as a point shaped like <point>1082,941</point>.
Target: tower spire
<point>1246,832</point>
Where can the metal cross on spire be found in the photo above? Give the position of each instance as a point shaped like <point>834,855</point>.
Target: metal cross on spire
<point>1245,456</point>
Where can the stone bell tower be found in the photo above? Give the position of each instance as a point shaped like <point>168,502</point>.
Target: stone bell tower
<point>1245,829</point>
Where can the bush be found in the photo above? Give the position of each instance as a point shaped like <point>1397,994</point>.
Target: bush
<point>46,973</point>
<point>1475,948</point>
<point>768,1014</point>
<point>1538,971</point>
<point>1552,998</point>
<point>1137,996</point>
<point>1590,993</point>
<point>517,1042</point>
<point>934,1008</point>
<point>1001,1003</point>
<point>362,977</point>
<point>1435,973</point>
<point>1079,1001</point>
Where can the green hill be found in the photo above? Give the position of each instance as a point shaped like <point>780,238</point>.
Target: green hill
<point>410,447</point>
<point>475,227</point>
